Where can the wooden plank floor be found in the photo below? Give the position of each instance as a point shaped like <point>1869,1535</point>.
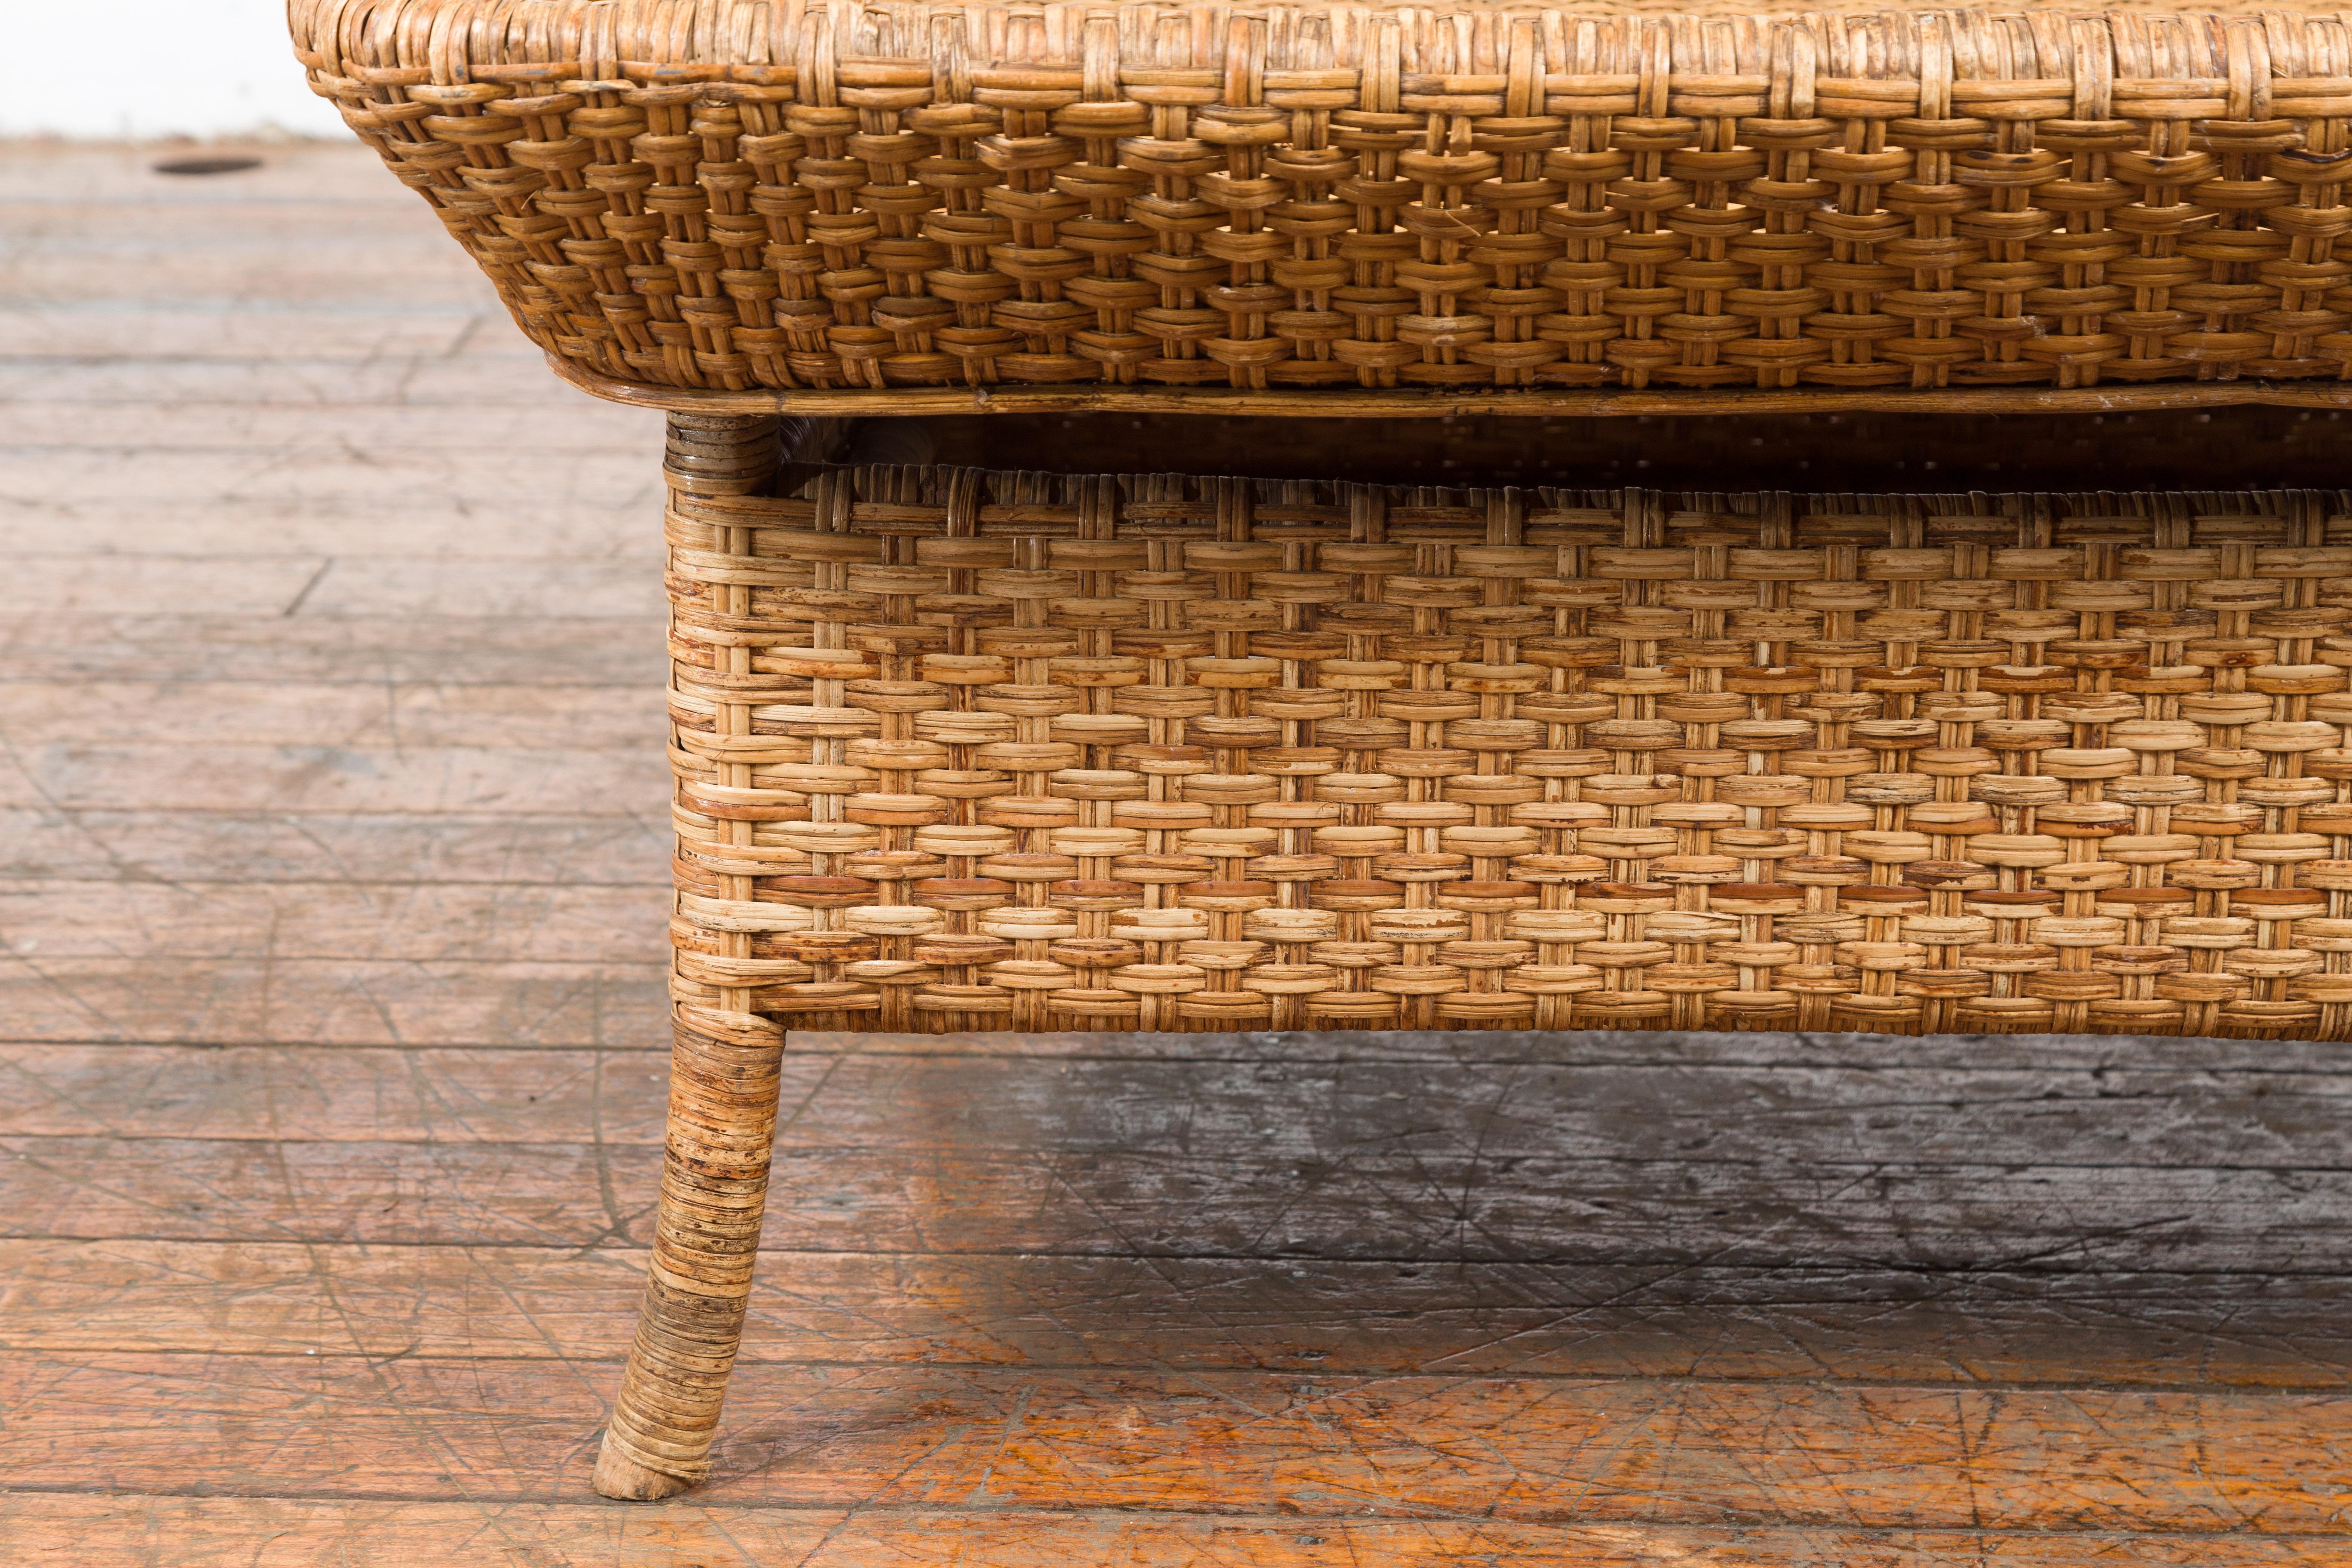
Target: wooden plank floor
<point>332,869</point>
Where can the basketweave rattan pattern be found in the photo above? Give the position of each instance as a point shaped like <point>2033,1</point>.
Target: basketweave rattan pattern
<point>1376,204</point>
<point>963,750</point>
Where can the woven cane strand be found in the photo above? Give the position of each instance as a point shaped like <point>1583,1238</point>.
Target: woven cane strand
<point>732,196</point>
<point>991,751</point>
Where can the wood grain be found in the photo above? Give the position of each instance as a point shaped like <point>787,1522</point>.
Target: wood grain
<point>227,776</point>
<point>373,650</point>
<point>1407,1206</point>
<point>1323,1114</point>
<point>448,427</point>
<point>604,590</point>
<point>1621,1450</point>
<point>317,472</point>
<point>116,918</point>
<point>277,1532</point>
<point>420,1094</point>
<point>333,1001</point>
<point>486,369</point>
<point>253,332</point>
<point>46,173</point>
<point>250,587</point>
<point>210,251</point>
<point>408,715</point>
<point>316,526</point>
<point>242,842</point>
<point>376,1192</point>
<point>1806,1323</point>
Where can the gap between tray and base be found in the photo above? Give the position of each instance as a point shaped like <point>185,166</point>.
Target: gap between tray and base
<point>1311,404</point>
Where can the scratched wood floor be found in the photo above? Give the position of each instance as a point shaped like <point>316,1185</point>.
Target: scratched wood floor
<point>332,900</point>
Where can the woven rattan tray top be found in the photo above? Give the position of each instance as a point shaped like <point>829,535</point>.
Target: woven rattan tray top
<point>747,205</point>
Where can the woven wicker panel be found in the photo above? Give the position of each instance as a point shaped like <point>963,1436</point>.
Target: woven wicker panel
<point>1303,201</point>
<point>968,751</point>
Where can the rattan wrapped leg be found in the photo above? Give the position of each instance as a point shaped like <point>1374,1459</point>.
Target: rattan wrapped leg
<point>722,1123</point>
<point>722,1109</point>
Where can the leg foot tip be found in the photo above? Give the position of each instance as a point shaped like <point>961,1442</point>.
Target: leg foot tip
<point>624,1479</point>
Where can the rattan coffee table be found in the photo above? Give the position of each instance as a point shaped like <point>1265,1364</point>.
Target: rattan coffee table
<point>968,751</point>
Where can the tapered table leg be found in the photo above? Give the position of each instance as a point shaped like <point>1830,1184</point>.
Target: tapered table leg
<point>722,1125</point>
<point>724,1069</point>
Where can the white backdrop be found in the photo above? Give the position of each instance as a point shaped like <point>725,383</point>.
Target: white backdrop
<point>141,68</point>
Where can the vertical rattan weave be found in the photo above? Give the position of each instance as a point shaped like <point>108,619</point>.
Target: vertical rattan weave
<point>968,751</point>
